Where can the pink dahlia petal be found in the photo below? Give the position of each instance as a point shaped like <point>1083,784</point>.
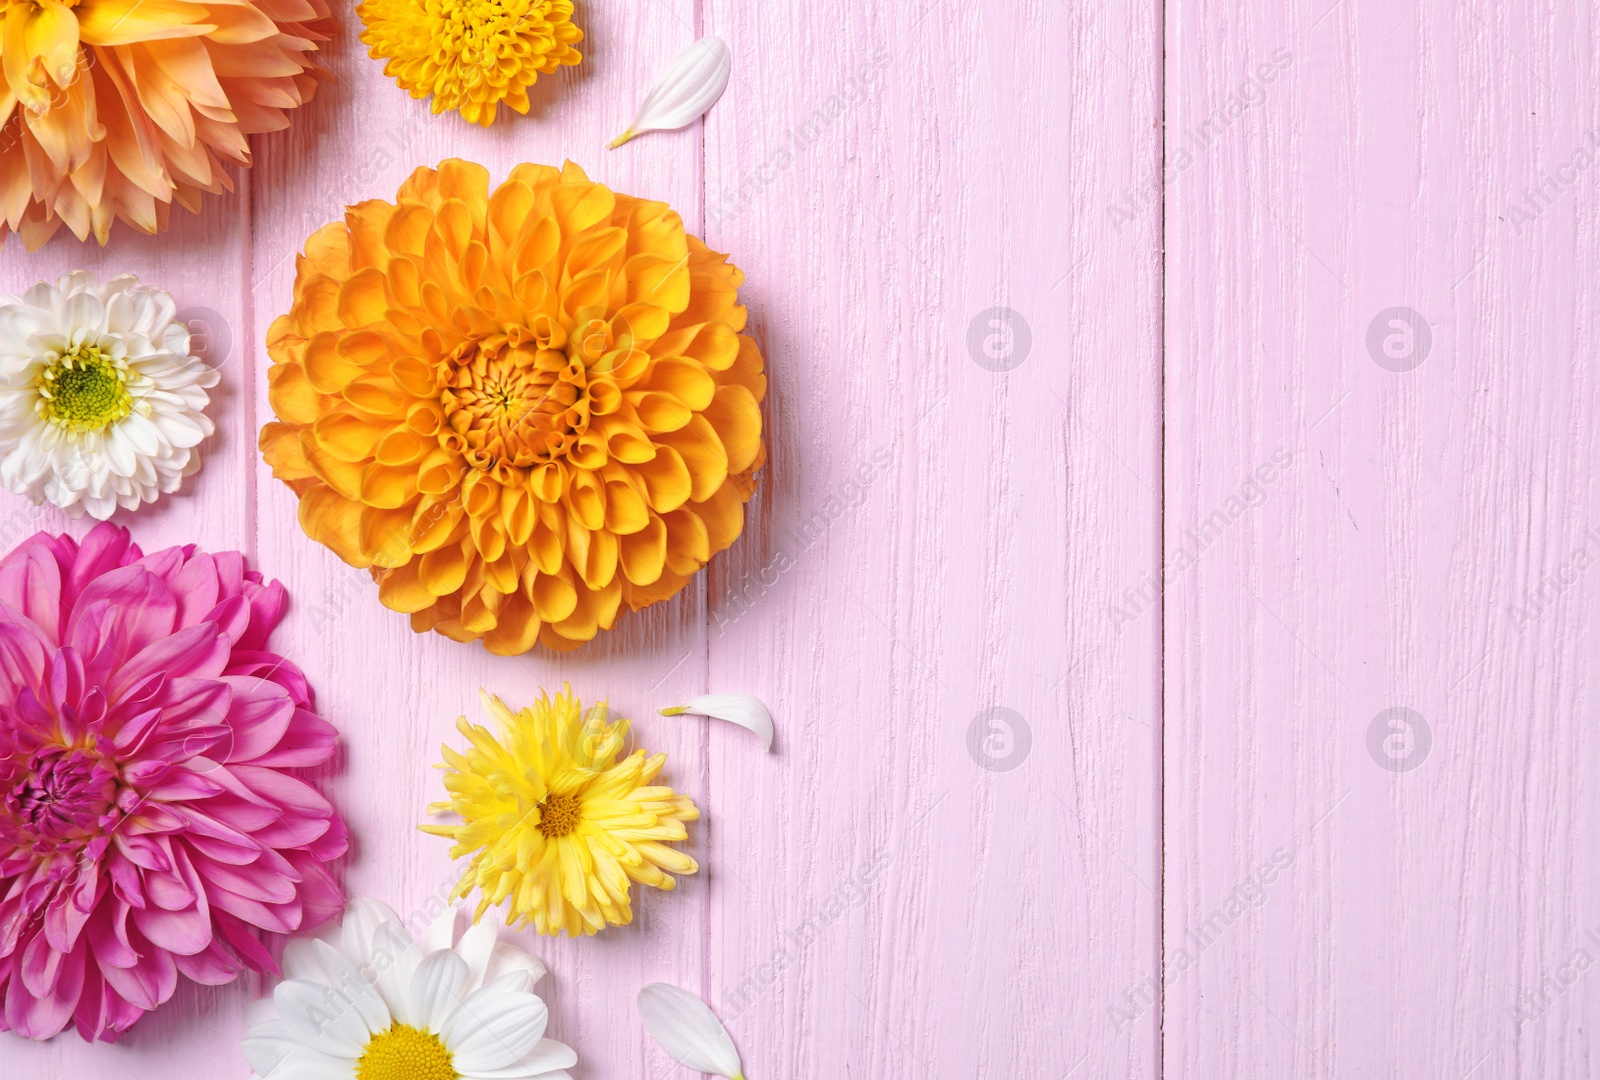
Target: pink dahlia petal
<point>24,655</point>
<point>267,605</point>
<point>259,713</point>
<point>151,826</point>
<point>197,590</point>
<point>31,586</point>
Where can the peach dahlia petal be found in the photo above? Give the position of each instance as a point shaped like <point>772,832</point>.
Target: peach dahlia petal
<point>114,108</point>
<point>520,409</point>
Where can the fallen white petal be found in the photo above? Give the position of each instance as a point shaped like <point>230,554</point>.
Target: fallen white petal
<point>687,1029</point>
<point>684,91</point>
<point>742,709</point>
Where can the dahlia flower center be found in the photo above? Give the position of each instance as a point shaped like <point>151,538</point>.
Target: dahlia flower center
<point>512,404</point>
<point>558,815</point>
<point>84,389</point>
<point>474,31</point>
<point>67,794</point>
<point>405,1053</point>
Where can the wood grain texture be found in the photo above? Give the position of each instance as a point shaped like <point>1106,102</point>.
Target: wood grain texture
<point>1172,509</point>
<point>935,539</point>
<point>1405,901</point>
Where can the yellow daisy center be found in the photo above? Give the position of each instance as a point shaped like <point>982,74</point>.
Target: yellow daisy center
<point>516,405</point>
<point>405,1053</point>
<point>83,390</point>
<point>558,815</point>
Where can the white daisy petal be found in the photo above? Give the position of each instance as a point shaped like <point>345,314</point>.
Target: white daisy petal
<point>318,1019</point>
<point>469,998</point>
<point>547,1058</point>
<point>372,936</point>
<point>742,709</point>
<point>683,92</point>
<point>109,403</point>
<point>354,987</point>
<point>475,947</point>
<point>507,958</point>
<point>441,932</point>
<point>274,1054</point>
<point>688,1030</point>
<point>308,1066</point>
<point>494,1029</point>
<point>300,960</point>
<point>437,987</point>
<point>260,1011</point>
<point>267,1044</point>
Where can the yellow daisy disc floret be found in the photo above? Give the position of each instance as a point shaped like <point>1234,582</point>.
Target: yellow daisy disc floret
<point>519,410</point>
<point>471,55</point>
<point>558,828</point>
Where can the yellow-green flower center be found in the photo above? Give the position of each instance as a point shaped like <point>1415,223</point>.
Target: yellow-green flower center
<point>405,1053</point>
<point>84,389</point>
<point>558,814</point>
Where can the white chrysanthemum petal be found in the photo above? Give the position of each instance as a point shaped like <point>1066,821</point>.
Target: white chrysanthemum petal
<point>742,709</point>
<point>129,433</point>
<point>688,1030</point>
<point>683,93</point>
<point>494,1029</point>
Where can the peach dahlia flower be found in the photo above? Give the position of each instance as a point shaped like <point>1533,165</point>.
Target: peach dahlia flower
<point>113,108</point>
<point>519,409</point>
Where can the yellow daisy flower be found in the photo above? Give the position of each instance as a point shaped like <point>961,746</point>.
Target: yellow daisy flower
<point>471,55</point>
<point>557,827</point>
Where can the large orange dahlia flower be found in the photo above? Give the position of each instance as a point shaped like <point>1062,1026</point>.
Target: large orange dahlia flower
<point>518,409</point>
<point>113,108</point>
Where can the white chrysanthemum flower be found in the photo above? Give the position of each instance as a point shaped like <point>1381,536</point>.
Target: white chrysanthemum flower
<point>100,402</point>
<point>366,1002</point>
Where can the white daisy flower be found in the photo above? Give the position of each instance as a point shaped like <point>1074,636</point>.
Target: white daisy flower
<point>100,402</point>
<point>365,1001</point>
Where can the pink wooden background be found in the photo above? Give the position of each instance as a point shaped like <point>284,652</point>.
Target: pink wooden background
<point>1195,855</point>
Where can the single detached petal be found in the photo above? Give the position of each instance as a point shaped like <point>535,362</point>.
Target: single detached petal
<point>684,91</point>
<point>688,1030</point>
<point>741,709</point>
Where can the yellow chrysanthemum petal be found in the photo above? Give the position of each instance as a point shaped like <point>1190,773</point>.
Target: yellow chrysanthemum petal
<point>520,408</point>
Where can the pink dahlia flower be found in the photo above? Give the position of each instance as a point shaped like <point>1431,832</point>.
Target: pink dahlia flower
<point>151,822</point>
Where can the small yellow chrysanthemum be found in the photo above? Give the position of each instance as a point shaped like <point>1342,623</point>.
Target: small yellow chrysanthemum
<point>471,55</point>
<point>559,826</point>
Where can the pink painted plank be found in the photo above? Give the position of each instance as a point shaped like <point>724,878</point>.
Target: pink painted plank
<point>395,694</point>
<point>1355,496</point>
<point>936,539</point>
